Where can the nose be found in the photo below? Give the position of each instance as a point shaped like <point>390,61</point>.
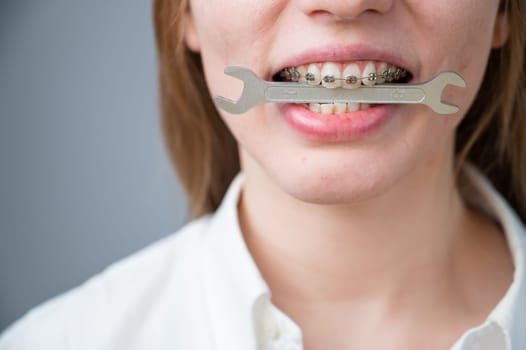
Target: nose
<point>344,9</point>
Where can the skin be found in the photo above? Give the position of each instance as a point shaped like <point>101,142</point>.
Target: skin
<point>365,244</point>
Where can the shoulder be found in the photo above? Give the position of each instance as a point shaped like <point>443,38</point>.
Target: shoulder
<point>125,298</point>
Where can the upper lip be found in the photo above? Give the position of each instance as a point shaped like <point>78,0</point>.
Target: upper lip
<point>346,53</point>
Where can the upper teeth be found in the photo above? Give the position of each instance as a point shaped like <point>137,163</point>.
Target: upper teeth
<point>350,76</point>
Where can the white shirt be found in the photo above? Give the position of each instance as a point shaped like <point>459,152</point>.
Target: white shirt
<point>200,289</point>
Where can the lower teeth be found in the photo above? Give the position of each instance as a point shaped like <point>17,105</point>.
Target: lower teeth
<point>335,108</point>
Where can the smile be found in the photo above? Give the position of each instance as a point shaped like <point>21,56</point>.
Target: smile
<point>345,75</point>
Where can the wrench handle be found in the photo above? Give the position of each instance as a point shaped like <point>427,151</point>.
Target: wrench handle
<point>300,93</point>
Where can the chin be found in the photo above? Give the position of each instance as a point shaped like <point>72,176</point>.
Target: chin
<point>325,187</point>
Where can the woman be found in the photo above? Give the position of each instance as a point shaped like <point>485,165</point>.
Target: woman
<point>349,227</point>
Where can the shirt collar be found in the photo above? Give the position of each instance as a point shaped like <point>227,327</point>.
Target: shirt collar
<point>232,280</point>
<point>504,327</point>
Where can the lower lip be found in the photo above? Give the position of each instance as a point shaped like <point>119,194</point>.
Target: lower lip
<point>336,127</point>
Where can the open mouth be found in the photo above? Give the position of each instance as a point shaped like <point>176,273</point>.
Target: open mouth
<point>352,75</point>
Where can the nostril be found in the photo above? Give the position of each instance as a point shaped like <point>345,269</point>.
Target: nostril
<point>320,14</point>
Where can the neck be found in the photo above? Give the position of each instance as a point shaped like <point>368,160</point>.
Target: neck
<point>400,241</point>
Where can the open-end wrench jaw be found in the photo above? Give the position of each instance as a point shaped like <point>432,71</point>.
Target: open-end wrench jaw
<point>253,91</point>
<point>433,92</point>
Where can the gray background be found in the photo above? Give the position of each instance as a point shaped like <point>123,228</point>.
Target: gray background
<point>84,178</point>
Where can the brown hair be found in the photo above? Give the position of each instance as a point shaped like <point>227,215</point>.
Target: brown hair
<point>200,145</point>
<point>492,135</point>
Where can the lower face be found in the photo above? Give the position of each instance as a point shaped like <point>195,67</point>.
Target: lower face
<point>351,154</point>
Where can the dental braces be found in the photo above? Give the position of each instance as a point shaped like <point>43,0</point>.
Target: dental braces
<point>389,75</point>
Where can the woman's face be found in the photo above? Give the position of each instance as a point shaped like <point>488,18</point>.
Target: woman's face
<point>340,158</point>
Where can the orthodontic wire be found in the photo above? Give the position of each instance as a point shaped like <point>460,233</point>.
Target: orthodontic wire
<point>388,74</point>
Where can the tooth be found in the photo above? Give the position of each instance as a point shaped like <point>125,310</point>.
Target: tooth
<point>398,73</point>
<point>327,108</point>
<point>364,106</point>
<point>331,75</point>
<point>353,107</point>
<point>340,108</point>
<point>351,76</point>
<point>313,75</point>
<point>315,107</point>
<point>380,71</point>
<point>302,70</point>
<point>284,74</point>
<point>391,72</point>
<point>294,75</point>
<point>369,73</point>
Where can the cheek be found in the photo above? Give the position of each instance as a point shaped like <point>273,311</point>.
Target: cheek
<point>234,33</point>
<point>452,29</point>
<point>238,31</point>
<point>462,33</point>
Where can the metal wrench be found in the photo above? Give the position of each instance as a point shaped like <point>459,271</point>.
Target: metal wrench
<point>257,91</point>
